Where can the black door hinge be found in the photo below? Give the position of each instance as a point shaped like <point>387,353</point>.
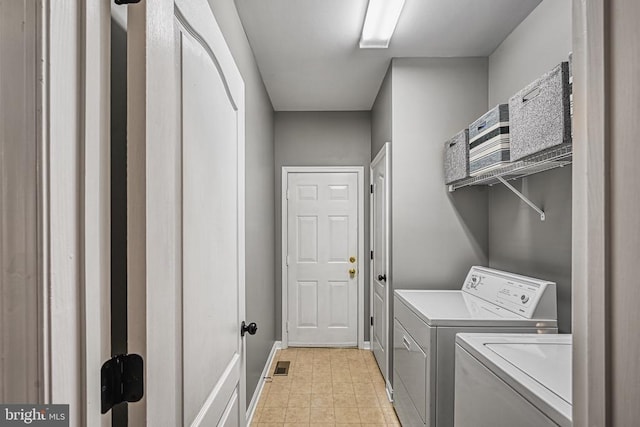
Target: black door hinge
<point>372,255</point>
<point>371,188</point>
<point>126,1</point>
<point>122,380</point>
<point>371,320</point>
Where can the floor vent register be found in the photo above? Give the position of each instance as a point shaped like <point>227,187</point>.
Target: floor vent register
<point>282,368</point>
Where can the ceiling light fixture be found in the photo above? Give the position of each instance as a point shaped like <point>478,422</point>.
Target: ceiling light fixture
<point>380,23</point>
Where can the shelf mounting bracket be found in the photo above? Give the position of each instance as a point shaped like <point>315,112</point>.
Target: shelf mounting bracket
<point>523,197</point>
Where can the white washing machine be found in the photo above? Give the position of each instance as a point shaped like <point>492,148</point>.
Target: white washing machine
<point>425,325</point>
<point>513,380</point>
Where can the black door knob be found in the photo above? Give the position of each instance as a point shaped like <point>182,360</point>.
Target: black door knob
<point>382,277</point>
<point>252,328</point>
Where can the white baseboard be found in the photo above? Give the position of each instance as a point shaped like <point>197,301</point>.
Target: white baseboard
<point>366,345</point>
<point>323,345</point>
<point>265,373</point>
<point>389,391</point>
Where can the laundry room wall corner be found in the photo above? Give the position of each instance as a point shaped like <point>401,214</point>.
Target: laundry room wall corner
<point>382,115</point>
<point>518,240</point>
<point>436,236</point>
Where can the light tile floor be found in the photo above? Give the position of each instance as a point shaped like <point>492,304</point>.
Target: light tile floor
<point>325,387</point>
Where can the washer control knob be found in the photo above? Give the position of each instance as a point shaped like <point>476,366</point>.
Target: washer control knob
<point>524,298</point>
<point>475,280</point>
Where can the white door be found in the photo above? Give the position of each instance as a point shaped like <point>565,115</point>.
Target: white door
<point>380,293</point>
<point>187,203</point>
<point>322,264</point>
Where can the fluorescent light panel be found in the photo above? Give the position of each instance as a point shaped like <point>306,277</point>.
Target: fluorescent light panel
<point>380,23</point>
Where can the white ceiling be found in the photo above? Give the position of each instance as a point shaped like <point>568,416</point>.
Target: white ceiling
<point>308,55</point>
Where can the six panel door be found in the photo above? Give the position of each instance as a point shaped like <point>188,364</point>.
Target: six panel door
<point>322,245</point>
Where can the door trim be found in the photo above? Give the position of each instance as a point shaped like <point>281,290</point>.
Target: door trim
<point>73,198</point>
<point>286,170</point>
<point>385,152</point>
<point>592,281</point>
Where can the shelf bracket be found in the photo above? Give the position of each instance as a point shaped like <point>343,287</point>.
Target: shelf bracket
<point>523,197</point>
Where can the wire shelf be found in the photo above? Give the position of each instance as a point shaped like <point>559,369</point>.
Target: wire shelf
<point>555,158</point>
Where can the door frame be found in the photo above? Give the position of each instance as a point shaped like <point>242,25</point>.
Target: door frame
<point>386,152</point>
<point>592,226</point>
<point>73,204</point>
<point>286,170</point>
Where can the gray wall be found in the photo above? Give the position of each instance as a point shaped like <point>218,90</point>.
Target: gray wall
<point>539,43</point>
<point>320,139</point>
<point>382,115</point>
<point>260,275</point>
<point>437,235</point>
<point>518,240</point>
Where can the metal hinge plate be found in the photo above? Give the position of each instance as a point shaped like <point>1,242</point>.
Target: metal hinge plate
<point>122,380</point>
<point>371,320</point>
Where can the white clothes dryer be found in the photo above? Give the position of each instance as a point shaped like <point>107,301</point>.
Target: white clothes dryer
<point>505,380</point>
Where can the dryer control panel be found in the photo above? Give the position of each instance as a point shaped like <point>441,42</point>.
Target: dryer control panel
<point>522,295</point>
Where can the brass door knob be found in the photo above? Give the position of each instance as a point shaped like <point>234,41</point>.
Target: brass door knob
<point>352,259</point>
<point>352,271</point>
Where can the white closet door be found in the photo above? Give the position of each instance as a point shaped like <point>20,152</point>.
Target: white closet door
<point>188,210</point>
<point>380,290</point>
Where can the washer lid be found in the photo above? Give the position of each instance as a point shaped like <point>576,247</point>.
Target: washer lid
<point>538,367</point>
<point>458,308</point>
